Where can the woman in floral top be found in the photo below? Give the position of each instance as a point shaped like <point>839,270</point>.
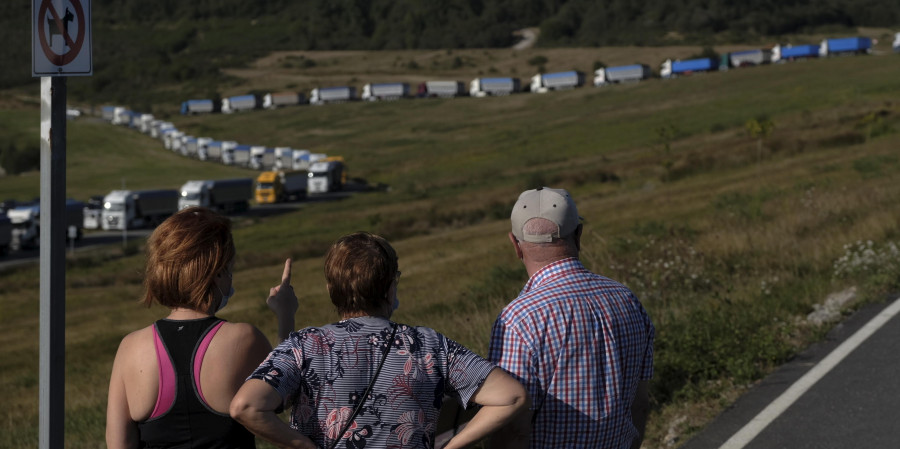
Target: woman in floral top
<point>323,372</point>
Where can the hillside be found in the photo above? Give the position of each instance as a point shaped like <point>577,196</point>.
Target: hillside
<point>728,238</point>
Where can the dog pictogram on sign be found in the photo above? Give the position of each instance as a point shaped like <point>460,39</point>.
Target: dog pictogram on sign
<point>61,41</point>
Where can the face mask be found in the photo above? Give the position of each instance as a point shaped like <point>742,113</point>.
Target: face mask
<point>225,298</point>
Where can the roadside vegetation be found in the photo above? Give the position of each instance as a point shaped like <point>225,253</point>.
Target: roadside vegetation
<point>729,235</point>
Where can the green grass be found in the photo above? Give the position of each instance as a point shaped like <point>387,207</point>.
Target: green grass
<point>728,247</point>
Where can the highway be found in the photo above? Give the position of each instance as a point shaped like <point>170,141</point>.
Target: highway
<point>838,393</point>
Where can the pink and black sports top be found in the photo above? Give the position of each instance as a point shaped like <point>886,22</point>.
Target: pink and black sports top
<point>181,417</point>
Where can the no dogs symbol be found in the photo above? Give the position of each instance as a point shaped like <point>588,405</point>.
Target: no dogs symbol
<point>61,31</point>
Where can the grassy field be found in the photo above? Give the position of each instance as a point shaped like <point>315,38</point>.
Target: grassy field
<point>729,239</point>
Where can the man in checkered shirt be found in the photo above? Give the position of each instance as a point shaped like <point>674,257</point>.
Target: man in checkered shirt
<point>581,343</point>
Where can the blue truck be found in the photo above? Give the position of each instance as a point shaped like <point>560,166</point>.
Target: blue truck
<point>671,69</point>
<point>845,45</point>
<point>792,53</point>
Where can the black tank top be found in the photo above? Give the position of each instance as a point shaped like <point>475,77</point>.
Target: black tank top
<point>190,422</point>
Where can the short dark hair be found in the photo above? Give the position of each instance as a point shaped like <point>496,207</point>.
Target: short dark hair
<point>359,271</point>
<point>184,255</point>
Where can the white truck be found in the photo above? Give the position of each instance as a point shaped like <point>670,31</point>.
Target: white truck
<point>896,44</point>
<point>748,58</point>
<point>385,91</point>
<point>545,82</point>
<point>130,209</point>
<point>144,122</point>
<point>280,99</point>
<point>26,223</point>
<point>338,94</point>
<point>236,155</point>
<point>441,89</point>
<point>172,139</point>
<point>621,74</point>
<point>224,195</point>
<point>121,116</point>
<point>483,87</point>
<point>239,103</point>
<point>158,128</point>
<point>325,176</point>
<point>262,158</point>
<point>210,150</point>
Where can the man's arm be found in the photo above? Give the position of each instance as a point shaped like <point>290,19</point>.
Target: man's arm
<point>254,406</point>
<point>639,410</point>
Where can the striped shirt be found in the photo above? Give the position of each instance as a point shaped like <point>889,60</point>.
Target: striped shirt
<point>579,342</point>
<point>323,372</point>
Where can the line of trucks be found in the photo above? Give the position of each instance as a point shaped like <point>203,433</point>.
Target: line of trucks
<point>498,86</point>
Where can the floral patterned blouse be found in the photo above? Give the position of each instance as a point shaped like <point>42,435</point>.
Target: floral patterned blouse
<point>323,372</point>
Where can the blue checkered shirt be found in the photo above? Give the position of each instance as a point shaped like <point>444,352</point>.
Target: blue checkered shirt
<point>579,342</point>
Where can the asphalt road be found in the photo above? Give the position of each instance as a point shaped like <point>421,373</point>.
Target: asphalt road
<point>840,393</point>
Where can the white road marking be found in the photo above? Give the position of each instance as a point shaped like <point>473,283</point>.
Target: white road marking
<point>777,407</point>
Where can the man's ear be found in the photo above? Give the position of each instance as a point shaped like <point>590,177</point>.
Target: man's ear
<point>578,236</point>
<point>515,243</point>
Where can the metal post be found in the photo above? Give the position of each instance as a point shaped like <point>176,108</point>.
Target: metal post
<point>53,262</point>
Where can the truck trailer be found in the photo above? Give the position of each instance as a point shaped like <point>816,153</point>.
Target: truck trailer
<point>545,82</point>
<point>26,223</point>
<point>337,94</point>
<point>621,74</point>
<point>224,195</point>
<point>385,91</point>
<point>845,45</point>
<point>279,186</point>
<point>236,155</point>
<point>325,176</point>
<point>281,99</point>
<point>131,209</point>
<point>483,87</point>
<point>896,44</point>
<point>672,69</point>
<point>262,158</point>
<point>210,150</point>
<point>441,89</point>
<point>792,53</point>
<point>747,58</point>
<point>239,103</point>
<point>192,107</point>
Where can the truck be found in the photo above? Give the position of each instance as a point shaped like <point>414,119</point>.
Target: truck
<point>106,112</point>
<point>132,209</point>
<point>337,94</point>
<point>209,150</point>
<point>845,45</point>
<point>672,69</point>
<point>896,44</point>
<point>121,116</point>
<point>236,155</point>
<point>188,146</point>
<point>144,122</point>
<point>193,107</point>
<point>6,234</point>
<point>621,74</point>
<point>158,128</point>
<point>545,82</point>
<point>26,223</point>
<point>262,158</point>
<point>239,103</point>
<point>280,99</point>
<point>790,53</point>
<point>92,212</point>
<point>747,58</point>
<point>441,89</point>
<point>172,139</point>
<point>483,87</point>
<point>279,186</point>
<point>325,176</point>
<point>283,158</point>
<point>223,195</point>
<point>385,91</point>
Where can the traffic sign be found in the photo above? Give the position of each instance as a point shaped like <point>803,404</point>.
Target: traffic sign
<point>61,38</point>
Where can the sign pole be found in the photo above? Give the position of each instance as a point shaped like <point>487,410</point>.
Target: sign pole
<point>53,262</point>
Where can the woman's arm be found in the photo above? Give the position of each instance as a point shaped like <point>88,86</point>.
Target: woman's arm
<point>283,302</point>
<point>503,401</point>
<point>254,406</point>
<point>121,431</point>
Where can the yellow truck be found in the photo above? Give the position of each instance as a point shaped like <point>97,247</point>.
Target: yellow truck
<point>279,186</point>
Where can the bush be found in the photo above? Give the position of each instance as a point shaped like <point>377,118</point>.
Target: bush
<point>19,160</point>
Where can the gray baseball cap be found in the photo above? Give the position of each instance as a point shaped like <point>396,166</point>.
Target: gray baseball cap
<point>552,204</point>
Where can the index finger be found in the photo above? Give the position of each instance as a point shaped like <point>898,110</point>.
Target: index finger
<point>286,276</point>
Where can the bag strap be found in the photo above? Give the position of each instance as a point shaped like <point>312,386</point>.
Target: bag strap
<point>368,389</point>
